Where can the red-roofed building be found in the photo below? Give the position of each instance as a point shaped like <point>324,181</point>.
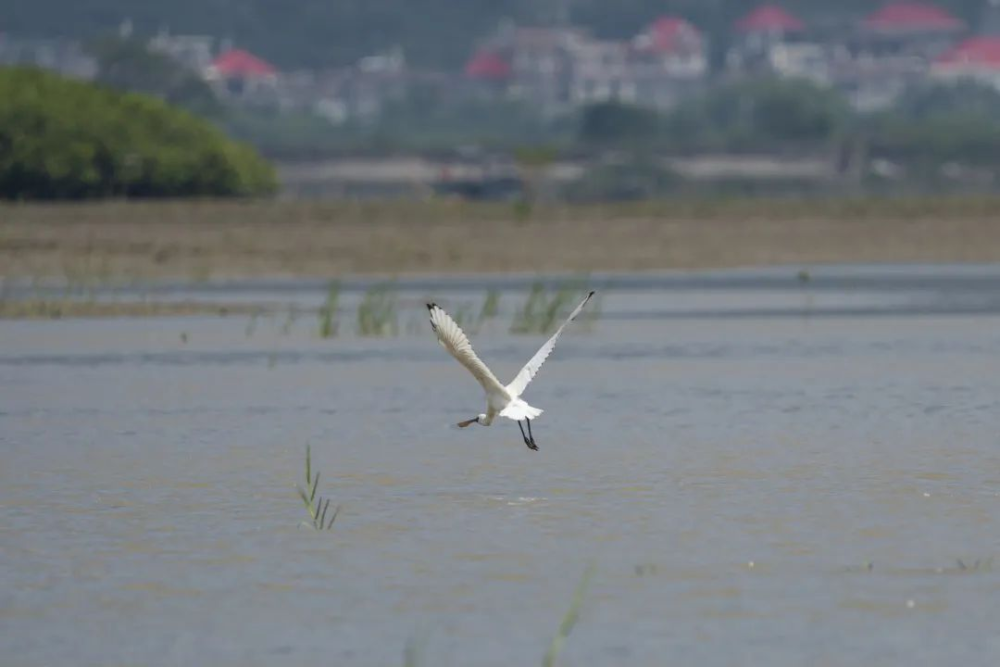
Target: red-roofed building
<point>770,38</point>
<point>558,69</point>
<point>235,73</point>
<point>669,34</point>
<point>770,19</point>
<point>912,17</point>
<point>908,30</point>
<point>487,66</point>
<point>673,47</point>
<point>237,63</point>
<point>540,60</point>
<point>976,58</point>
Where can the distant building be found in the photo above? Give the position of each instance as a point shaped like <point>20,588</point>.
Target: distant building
<point>240,75</point>
<point>892,49</point>
<point>675,46</point>
<point>488,73</point>
<point>668,61</point>
<point>542,62</point>
<point>600,72</point>
<point>913,29</point>
<point>362,91</point>
<point>192,51</point>
<point>559,69</point>
<point>912,17</point>
<point>769,21</point>
<point>761,41</point>
<point>977,59</point>
<point>486,65</point>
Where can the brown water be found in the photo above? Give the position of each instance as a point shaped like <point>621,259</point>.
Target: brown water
<point>761,476</point>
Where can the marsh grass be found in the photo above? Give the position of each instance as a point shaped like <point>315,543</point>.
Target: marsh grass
<point>491,305</point>
<point>378,312</point>
<point>316,506</point>
<point>58,308</point>
<point>569,620</point>
<point>544,310</point>
<point>325,236</point>
<point>290,318</point>
<point>465,318</point>
<point>472,320</point>
<point>329,325</point>
<point>252,324</point>
<point>804,278</point>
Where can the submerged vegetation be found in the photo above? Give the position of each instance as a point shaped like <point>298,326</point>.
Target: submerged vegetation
<point>570,619</point>
<point>316,505</point>
<point>472,322</point>
<point>377,312</point>
<point>328,323</point>
<point>544,309</point>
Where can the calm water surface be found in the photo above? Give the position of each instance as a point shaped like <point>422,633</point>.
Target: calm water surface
<point>762,473</point>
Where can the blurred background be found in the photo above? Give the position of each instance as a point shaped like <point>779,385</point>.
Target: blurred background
<point>559,100</point>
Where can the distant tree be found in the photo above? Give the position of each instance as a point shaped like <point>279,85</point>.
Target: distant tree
<point>939,99</point>
<point>127,64</point>
<point>616,125</point>
<point>65,139</point>
<point>763,114</point>
<point>935,123</point>
<point>960,136</point>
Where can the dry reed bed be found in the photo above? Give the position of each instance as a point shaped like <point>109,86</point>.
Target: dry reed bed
<point>199,240</point>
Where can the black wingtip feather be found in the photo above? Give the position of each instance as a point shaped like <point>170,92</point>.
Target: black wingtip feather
<point>431,306</point>
<point>592,293</point>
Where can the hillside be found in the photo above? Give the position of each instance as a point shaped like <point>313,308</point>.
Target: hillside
<point>440,33</point>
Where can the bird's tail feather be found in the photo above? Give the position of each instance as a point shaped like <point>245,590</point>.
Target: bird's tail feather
<point>518,410</point>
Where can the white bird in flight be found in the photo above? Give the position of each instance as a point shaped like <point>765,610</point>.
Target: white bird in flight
<point>500,400</point>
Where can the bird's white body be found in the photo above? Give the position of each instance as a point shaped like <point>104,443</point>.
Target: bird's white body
<point>501,400</point>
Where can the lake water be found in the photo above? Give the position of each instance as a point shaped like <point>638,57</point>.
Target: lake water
<point>762,471</point>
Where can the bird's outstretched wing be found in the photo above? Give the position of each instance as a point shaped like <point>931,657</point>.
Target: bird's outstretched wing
<point>453,339</point>
<point>519,383</point>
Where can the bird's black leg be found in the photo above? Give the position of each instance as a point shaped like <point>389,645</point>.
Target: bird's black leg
<point>523,435</point>
<point>531,437</point>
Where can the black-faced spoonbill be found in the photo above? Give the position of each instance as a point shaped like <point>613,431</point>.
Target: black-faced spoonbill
<point>500,400</point>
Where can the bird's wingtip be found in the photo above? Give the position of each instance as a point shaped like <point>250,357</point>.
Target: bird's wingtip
<point>431,306</point>
<point>592,293</point>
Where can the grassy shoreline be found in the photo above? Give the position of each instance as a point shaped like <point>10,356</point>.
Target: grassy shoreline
<point>197,241</point>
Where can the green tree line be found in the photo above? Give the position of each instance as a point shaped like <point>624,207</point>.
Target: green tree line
<point>929,124</point>
<point>64,139</point>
